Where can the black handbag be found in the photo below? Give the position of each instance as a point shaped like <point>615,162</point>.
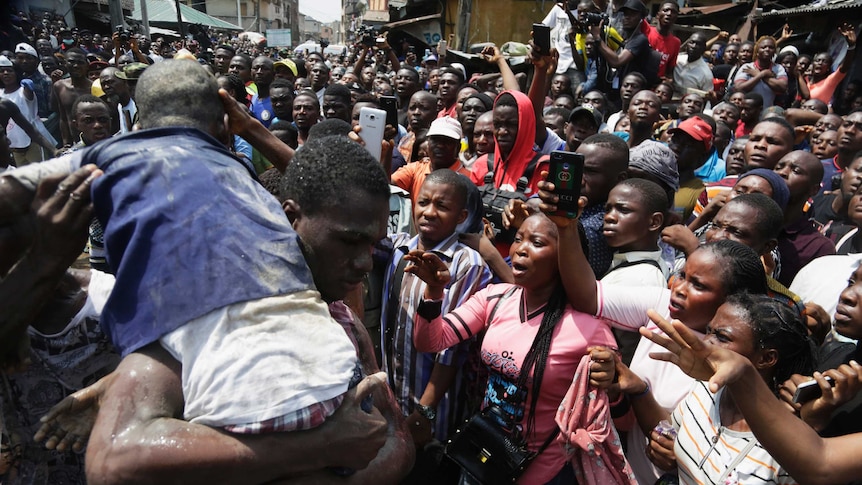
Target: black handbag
<point>487,452</point>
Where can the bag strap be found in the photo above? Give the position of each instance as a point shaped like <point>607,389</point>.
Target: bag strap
<point>627,264</point>
<point>504,296</point>
<point>394,303</point>
<point>742,454</point>
<point>846,237</point>
<point>531,167</point>
<point>548,441</point>
<point>528,170</point>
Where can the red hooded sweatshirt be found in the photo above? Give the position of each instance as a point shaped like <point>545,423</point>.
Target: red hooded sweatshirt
<point>508,171</point>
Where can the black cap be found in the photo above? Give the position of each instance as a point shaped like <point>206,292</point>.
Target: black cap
<point>635,5</point>
<point>587,112</point>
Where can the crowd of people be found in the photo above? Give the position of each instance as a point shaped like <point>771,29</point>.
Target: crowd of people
<point>207,275</point>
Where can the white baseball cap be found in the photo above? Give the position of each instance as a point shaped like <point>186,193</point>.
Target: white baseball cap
<point>26,49</point>
<point>446,126</point>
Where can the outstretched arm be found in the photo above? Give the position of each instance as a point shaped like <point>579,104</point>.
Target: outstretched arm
<point>29,129</point>
<point>849,33</point>
<point>243,124</point>
<point>491,54</point>
<point>579,280</point>
<point>543,62</point>
<point>139,438</point>
<point>360,62</point>
<point>806,456</point>
<point>63,212</point>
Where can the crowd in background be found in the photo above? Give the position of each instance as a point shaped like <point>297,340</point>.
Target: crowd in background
<point>229,217</point>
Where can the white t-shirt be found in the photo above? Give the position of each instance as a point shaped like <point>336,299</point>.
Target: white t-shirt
<point>262,359</point>
<point>559,23</point>
<point>625,307</point>
<point>822,280</point>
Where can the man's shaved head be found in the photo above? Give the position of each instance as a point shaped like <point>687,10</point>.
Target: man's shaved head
<point>179,93</point>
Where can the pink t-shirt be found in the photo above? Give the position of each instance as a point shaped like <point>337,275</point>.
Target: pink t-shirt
<point>507,340</point>
<point>825,88</point>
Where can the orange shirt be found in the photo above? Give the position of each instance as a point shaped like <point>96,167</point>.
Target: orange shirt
<point>410,177</point>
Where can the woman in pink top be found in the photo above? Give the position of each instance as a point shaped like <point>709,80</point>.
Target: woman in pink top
<point>533,339</point>
<point>822,82</point>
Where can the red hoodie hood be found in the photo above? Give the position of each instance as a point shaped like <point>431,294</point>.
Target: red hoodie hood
<point>513,166</point>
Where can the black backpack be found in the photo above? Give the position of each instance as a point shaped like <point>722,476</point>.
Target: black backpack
<point>495,200</point>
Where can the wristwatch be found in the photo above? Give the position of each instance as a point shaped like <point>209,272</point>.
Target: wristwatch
<point>427,412</point>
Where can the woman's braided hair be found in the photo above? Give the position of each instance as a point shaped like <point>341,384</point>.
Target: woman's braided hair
<point>775,325</point>
<point>741,267</point>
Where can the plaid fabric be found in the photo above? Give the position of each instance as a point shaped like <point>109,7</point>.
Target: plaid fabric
<point>305,418</point>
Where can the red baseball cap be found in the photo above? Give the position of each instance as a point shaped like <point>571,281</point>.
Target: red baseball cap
<point>696,128</point>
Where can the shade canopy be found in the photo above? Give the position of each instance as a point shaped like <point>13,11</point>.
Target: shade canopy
<point>165,12</point>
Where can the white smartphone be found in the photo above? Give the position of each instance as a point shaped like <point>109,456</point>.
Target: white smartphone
<point>373,123</point>
<point>809,390</point>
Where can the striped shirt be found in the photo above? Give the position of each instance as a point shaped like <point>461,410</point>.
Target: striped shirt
<point>409,370</point>
<point>705,449</point>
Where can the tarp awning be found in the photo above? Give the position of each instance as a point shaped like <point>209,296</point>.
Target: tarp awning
<point>166,12</point>
<point>426,28</point>
<point>156,30</point>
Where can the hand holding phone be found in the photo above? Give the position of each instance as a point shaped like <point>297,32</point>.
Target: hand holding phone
<point>373,124</point>
<point>390,105</point>
<point>566,172</point>
<point>810,390</point>
<point>542,38</point>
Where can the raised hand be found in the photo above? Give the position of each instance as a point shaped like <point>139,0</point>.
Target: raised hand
<point>698,359</point>
<point>63,213</point>
<point>491,54</point>
<point>680,237</point>
<point>849,32</point>
<point>515,213</point>
<point>429,268</point>
<point>602,366</point>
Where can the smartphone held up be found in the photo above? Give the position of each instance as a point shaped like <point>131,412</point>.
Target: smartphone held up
<point>566,172</point>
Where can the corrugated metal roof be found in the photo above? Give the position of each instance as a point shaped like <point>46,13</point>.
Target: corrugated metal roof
<point>166,11</point>
<point>818,6</point>
<point>709,9</point>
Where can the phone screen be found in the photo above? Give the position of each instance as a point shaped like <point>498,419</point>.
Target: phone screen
<point>542,37</point>
<point>565,172</point>
<point>390,105</point>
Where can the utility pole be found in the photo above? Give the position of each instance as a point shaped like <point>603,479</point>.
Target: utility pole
<point>463,26</point>
<point>145,18</point>
<point>256,16</point>
<point>115,9</point>
<point>180,29</point>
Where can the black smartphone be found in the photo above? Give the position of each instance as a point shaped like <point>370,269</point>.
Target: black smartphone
<point>566,172</point>
<point>809,390</point>
<point>389,104</point>
<point>542,38</point>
